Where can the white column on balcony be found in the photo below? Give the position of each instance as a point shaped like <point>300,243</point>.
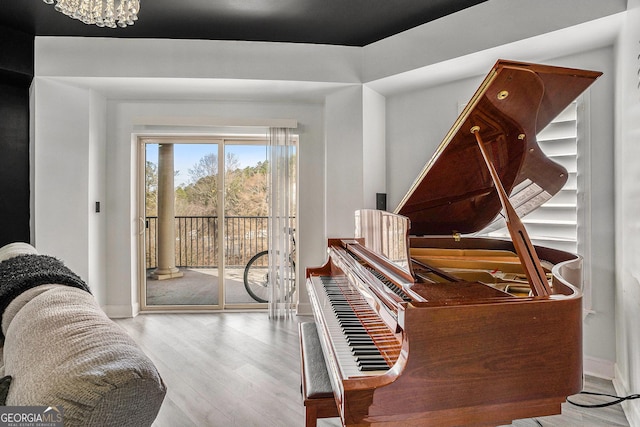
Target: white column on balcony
<point>166,216</point>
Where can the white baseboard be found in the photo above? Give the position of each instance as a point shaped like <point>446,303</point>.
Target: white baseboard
<point>304,309</point>
<point>599,368</point>
<point>121,311</point>
<point>631,407</point>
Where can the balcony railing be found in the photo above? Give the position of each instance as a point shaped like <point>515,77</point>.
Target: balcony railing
<point>198,239</point>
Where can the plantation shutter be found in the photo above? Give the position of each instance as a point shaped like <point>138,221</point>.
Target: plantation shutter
<point>554,224</point>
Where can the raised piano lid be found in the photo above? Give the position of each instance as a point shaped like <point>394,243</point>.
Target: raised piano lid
<point>454,193</point>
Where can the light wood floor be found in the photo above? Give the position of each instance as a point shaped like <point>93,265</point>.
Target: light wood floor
<point>242,369</point>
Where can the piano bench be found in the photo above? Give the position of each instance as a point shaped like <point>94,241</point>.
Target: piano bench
<point>317,393</point>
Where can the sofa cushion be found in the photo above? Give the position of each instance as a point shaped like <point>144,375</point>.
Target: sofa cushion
<point>62,350</point>
<point>20,301</point>
<point>17,248</point>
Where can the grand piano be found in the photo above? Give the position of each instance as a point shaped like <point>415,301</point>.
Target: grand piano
<point>420,323</point>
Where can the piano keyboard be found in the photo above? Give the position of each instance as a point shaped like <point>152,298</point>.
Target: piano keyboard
<point>362,343</point>
<point>388,283</point>
<point>396,289</point>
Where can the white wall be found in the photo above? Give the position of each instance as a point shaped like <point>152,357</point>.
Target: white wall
<point>416,123</point>
<point>91,57</point>
<point>68,151</point>
<point>599,325</point>
<point>627,212</point>
<point>374,146</point>
<point>355,155</point>
<point>344,163</point>
<point>97,184</point>
<point>452,44</point>
<point>61,171</point>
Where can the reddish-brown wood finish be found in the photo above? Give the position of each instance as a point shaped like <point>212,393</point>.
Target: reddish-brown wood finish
<point>471,354</point>
<point>528,256</point>
<point>482,357</point>
<point>455,192</point>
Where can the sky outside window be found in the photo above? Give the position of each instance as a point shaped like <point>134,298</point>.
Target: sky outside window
<point>186,156</point>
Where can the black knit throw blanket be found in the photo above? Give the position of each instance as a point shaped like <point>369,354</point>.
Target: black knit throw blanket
<point>24,272</point>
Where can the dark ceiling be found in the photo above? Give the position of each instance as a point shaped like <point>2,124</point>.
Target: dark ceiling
<point>336,22</point>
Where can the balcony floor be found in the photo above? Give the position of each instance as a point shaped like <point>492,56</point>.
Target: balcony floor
<point>198,286</point>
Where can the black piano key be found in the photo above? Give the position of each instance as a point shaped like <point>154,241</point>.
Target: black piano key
<point>363,346</point>
<point>374,367</point>
<point>354,331</point>
<point>353,338</point>
<point>353,341</point>
<point>365,351</point>
<point>371,360</point>
<point>359,337</point>
<point>348,318</point>
<point>347,326</point>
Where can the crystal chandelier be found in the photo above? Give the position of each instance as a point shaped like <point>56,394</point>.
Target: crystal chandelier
<point>103,13</point>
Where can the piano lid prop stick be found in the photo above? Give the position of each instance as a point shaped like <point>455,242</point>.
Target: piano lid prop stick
<point>525,250</point>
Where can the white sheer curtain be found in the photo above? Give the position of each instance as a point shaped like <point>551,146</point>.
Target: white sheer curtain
<point>282,204</point>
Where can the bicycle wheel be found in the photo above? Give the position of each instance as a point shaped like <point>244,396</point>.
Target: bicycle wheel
<point>256,277</point>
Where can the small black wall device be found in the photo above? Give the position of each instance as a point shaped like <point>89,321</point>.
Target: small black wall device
<point>381,201</point>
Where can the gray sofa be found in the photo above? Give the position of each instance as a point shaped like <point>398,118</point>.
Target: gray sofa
<point>60,349</point>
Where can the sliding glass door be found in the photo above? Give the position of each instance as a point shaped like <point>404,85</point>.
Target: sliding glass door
<point>204,206</point>
<point>245,220</point>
